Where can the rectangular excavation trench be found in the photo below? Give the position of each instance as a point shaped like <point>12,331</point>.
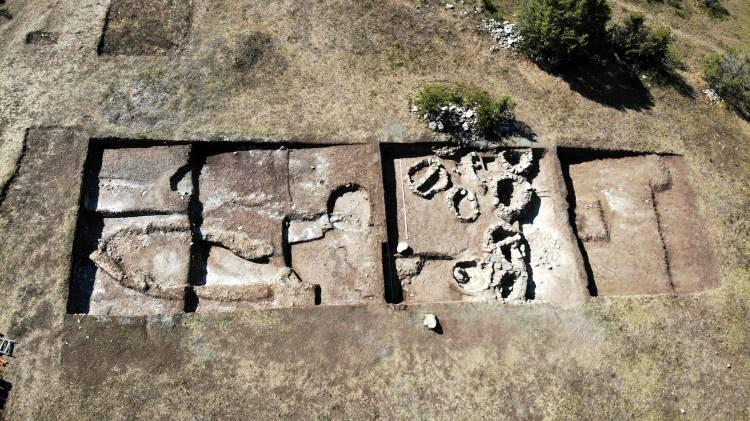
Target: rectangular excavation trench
<point>166,228</point>
<point>478,226</point>
<point>637,223</point>
<point>173,227</point>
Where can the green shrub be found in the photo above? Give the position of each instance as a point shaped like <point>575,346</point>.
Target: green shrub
<point>729,75</point>
<point>644,48</point>
<point>556,32</point>
<point>431,97</point>
<point>491,112</point>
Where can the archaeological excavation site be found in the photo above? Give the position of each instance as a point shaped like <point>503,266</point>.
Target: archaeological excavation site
<point>171,227</point>
<point>382,209</point>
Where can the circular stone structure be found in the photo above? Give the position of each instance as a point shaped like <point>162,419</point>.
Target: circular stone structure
<point>434,180</point>
<point>516,161</point>
<point>458,195</point>
<point>474,277</point>
<point>512,195</point>
<point>498,236</point>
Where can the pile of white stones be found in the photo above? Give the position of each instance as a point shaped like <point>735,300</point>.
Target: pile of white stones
<point>712,95</point>
<point>452,118</point>
<point>504,33</point>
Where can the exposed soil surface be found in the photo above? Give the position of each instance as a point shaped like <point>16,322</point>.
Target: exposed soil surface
<point>169,229</point>
<point>217,322</point>
<point>637,220</point>
<point>145,27</point>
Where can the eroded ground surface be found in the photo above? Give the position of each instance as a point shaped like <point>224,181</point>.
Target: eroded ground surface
<point>288,316</point>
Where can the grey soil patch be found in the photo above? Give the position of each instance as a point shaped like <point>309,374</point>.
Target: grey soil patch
<point>139,100</point>
<point>42,38</point>
<point>145,27</point>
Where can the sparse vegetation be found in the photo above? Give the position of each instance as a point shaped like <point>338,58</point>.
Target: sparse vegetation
<point>556,32</point>
<point>681,8</point>
<point>715,8</point>
<point>490,7</point>
<point>491,112</point>
<point>729,75</point>
<point>644,48</point>
<point>4,13</point>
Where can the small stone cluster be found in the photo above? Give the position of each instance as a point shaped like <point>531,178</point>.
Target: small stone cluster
<point>504,33</point>
<point>454,119</point>
<point>712,96</point>
<point>462,124</point>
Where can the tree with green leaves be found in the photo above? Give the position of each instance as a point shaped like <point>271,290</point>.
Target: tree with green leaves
<point>644,48</point>
<point>557,32</point>
<point>729,75</point>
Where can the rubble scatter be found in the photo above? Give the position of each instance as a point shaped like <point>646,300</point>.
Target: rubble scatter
<point>471,164</point>
<point>502,272</point>
<point>453,118</point>
<point>408,267</point>
<point>500,236</point>
<point>504,33</point>
<point>240,243</point>
<point>713,96</point>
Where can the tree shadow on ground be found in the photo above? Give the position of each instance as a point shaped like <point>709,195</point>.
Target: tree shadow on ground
<point>5,388</point>
<point>676,81</point>
<point>740,111</point>
<point>515,129</point>
<point>716,9</point>
<point>523,130</point>
<point>613,85</point>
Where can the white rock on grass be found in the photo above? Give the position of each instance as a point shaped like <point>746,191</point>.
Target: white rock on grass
<point>712,95</point>
<point>503,32</point>
<point>430,321</point>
